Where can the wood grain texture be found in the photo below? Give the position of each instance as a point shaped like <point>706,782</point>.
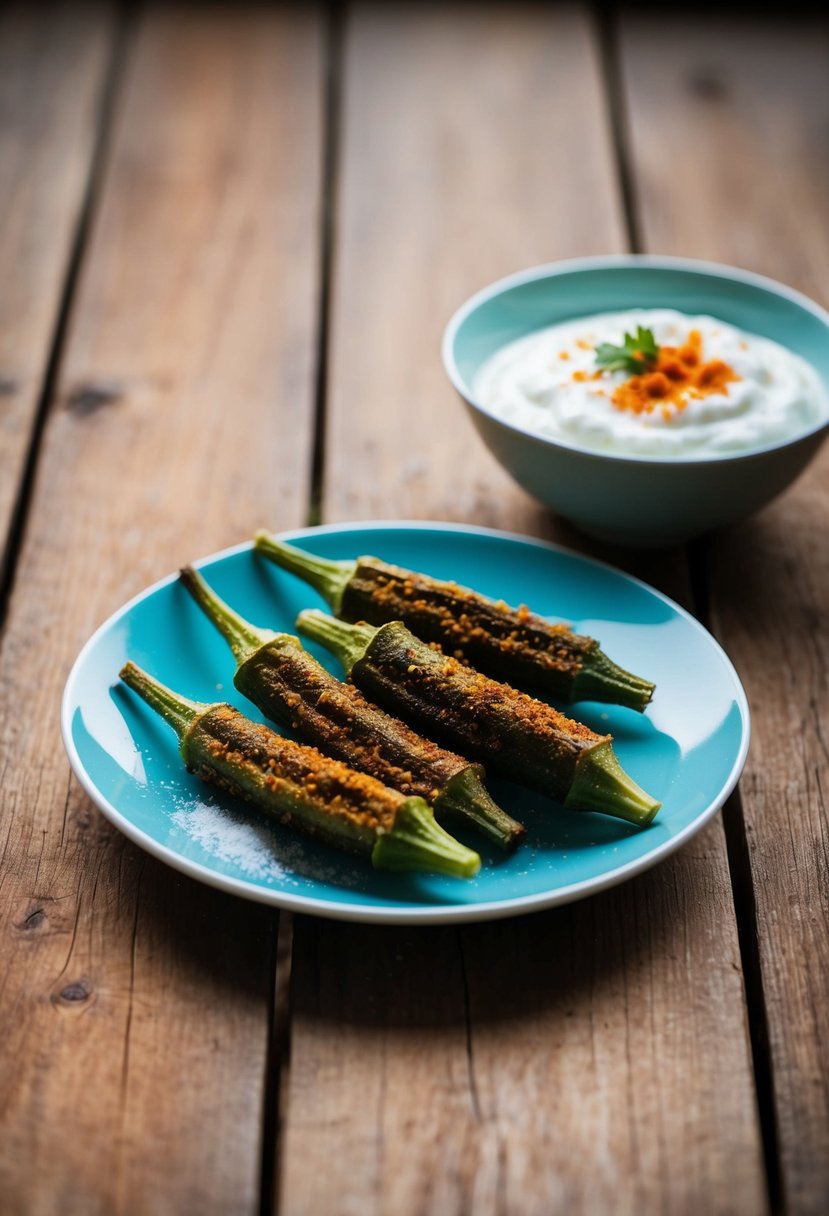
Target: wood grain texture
<point>586,1059</point>
<point>593,1058</point>
<point>728,126</point>
<point>135,1003</point>
<point>748,105</point>
<point>53,64</point>
<point>455,129</point>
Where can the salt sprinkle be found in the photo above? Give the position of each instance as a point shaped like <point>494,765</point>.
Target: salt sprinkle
<point>263,853</point>
<point>231,838</point>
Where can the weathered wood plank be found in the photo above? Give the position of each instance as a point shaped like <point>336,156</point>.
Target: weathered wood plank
<point>136,1004</point>
<point>727,126</point>
<point>455,135</point>
<point>747,105</point>
<point>53,65</point>
<point>589,1059</point>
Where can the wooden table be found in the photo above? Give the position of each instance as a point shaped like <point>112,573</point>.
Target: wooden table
<point>230,241</point>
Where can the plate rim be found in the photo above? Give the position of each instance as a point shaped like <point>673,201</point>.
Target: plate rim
<point>390,914</point>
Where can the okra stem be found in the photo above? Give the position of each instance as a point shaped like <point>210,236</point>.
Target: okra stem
<point>325,575</point>
<point>300,786</point>
<point>293,689</point>
<point>508,730</point>
<point>348,643</point>
<point>177,711</point>
<point>243,638</point>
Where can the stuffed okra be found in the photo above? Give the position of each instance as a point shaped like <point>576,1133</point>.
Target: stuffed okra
<point>511,644</point>
<point>291,687</point>
<point>304,789</point>
<point>524,739</point>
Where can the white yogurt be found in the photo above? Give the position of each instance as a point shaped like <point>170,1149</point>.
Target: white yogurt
<point>530,383</point>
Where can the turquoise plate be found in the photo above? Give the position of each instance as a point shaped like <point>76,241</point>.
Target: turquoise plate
<point>688,749</point>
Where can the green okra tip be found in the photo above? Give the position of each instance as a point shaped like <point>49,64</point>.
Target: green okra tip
<point>418,842</point>
<point>601,784</point>
<point>600,679</point>
<point>466,796</point>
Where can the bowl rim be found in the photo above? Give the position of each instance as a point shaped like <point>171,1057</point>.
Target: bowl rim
<point>620,261</point>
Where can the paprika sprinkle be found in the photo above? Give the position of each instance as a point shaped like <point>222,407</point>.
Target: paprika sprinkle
<point>679,375</point>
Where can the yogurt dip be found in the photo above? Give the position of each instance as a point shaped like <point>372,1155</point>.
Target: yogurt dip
<point>713,389</point>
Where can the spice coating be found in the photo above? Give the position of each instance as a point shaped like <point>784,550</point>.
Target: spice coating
<point>513,732</point>
<point>321,795</point>
<point>509,643</point>
<point>303,788</point>
<point>293,688</point>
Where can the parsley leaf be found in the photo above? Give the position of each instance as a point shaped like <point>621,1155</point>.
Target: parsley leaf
<point>637,353</point>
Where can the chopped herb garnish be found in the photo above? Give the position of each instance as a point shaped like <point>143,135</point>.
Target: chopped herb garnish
<point>637,353</point>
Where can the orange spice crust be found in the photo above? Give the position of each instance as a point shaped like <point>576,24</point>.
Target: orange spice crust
<point>508,730</point>
<point>242,756</point>
<point>510,643</point>
<point>290,686</point>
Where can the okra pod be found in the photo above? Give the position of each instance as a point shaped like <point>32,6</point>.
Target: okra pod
<point>302,788</point>
<point>511,644</point>
<point>294,690</point>
<point>508,730</point>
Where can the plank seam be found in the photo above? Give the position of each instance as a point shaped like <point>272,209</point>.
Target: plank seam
<point>472,1081</point>
<point>745,905</point>
<point>748,934</point>
<point>276,1061</point>
<point>737,854</point>
<point>106,109</point>
<point>608,43</point>
<point>279,1039</point>
<point>334,34</point>
<point>125,1058</point>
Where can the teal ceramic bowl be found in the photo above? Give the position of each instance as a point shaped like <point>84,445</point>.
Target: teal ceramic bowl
<point>637,500</point>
